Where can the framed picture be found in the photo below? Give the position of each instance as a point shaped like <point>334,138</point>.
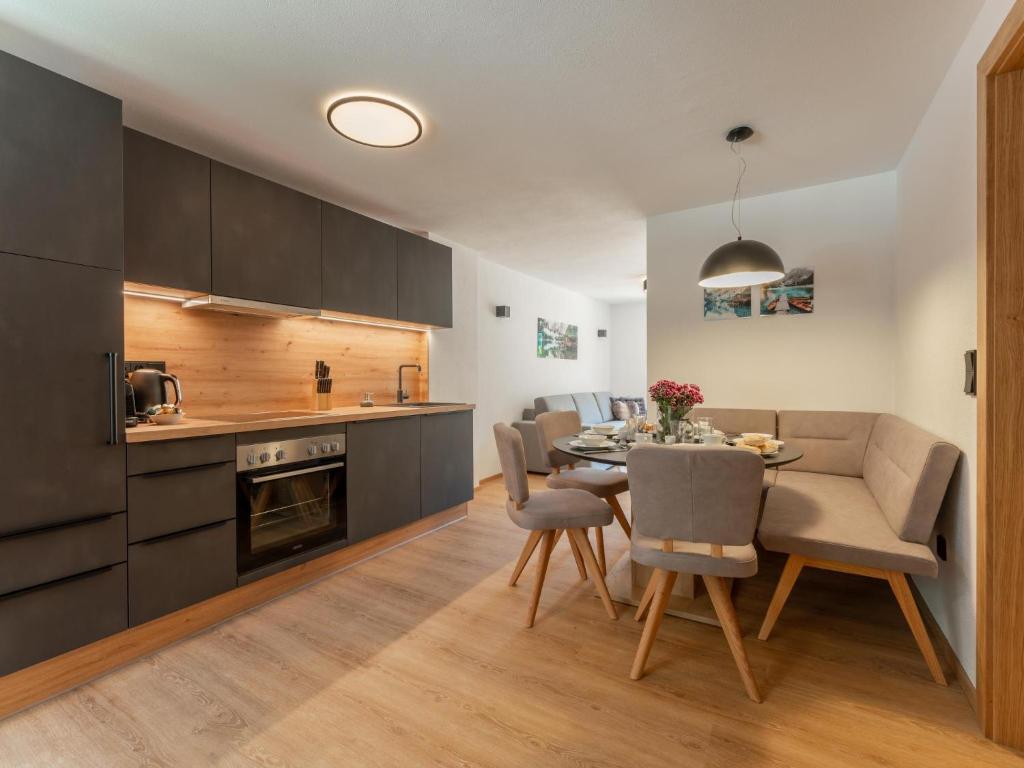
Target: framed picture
<point>558,340</point>
<point>793,294</point>
<point>726,303</point>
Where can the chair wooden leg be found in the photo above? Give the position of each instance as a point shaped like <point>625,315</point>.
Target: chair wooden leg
<point>595,573</point>
<point>726,613</point>
<point>900,588</point>
<point>613,502</point>
<point>794,565</point>
<point>546,546</point>
<point>665,581</point>
<point>599,541</point>
<point>524,557</point>
<point>645,601</point>
<point>580,566</point>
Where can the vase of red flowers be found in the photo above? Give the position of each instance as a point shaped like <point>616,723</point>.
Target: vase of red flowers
<point>674,401</point>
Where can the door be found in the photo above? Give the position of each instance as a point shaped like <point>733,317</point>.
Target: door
<point>266,240</point>
<point>359,264</point>
<point>424,281</point>
<point>446,451</point>
<point>383,476</point>
<point>63,457</point>
<point>166,214</point>
<point>60,167</point>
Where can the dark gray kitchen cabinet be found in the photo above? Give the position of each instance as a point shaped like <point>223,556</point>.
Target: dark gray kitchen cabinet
<point>176,500</point>
<point>166,214</point>
<point>424,281</point>
<point>60,167</point>
<point>359,264</point>
<point>446,461</point>
<point>265,240</point>
<point>61,395</point>
<point>383,475</point>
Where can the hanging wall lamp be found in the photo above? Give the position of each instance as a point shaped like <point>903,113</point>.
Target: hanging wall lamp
<point>740,262</point>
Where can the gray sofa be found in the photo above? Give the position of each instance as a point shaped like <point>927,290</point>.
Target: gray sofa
<point>593,407</point>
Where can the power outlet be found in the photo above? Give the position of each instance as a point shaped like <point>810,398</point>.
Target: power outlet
<point>134,365</point>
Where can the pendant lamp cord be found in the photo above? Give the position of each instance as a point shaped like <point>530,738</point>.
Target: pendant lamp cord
<point>734,146</point>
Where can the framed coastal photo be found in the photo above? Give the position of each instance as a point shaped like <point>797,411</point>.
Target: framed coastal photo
<point>793,294</point>
<point>726,303</point>
<point>557,340</point>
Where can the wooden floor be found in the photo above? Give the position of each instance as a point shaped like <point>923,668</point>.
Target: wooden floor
<point>419,658</point>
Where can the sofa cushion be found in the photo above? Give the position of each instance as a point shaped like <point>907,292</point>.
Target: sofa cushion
<point>833,442</point>
<point>554,403</point>
<point>835,517</point>
<point>586,404</point>
<point>620,410</point>
<point>604,404</point>
<point>733,421</point>
<point>907,470</point>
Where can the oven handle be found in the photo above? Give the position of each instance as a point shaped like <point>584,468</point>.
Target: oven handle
<point>294,473</point>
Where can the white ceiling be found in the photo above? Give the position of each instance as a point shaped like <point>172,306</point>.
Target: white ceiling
<point>553,127</point>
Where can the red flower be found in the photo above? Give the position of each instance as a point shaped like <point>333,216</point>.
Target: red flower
<point>671,394</point>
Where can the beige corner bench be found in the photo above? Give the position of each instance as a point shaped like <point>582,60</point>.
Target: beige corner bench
<point>862,500</point>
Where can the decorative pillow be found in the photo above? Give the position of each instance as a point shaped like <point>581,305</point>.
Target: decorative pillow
<point>637,406</point>
<point>620,410</point>
<point>634,408</point>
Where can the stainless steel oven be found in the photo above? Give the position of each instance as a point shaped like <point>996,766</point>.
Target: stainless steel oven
<point>290,498</point>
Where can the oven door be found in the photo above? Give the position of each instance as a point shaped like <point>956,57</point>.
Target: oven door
<point>284,511</point>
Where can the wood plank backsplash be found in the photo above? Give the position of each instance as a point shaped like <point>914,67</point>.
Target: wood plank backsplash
<point>233,363</point>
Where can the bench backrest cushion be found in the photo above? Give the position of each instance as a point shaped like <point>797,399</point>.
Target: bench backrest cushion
<point>833,442</point>
<point>733,421</point>
<point>604,403</point>
<point>554,403</point>
<point>586,405</point>
<point>907,470</point>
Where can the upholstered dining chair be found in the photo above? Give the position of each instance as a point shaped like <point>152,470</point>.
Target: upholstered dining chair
<point>695,511</point>
<point>604,484</point>
<point>546,515</point>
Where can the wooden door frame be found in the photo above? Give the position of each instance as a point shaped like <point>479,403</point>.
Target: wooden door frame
<point>1000,611</point>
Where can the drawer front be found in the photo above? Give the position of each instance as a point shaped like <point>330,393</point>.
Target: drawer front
<point>177,454</point>
<point>176,501</point>
<point>44,622</point>
<point>30,559</point>
<point>179,570</point>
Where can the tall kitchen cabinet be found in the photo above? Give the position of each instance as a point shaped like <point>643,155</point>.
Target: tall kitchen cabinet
<point>62,465</point>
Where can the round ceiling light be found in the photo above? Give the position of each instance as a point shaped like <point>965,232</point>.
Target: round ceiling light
<point>374,121</point>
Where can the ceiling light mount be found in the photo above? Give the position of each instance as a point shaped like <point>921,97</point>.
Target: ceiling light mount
<point>739,133</point>
<point>374,121</point>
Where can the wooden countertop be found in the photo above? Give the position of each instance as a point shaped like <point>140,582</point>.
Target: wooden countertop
<point>227,425</point>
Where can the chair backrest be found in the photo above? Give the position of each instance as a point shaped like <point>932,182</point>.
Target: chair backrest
<point>512,456</point>
<point>695,493</point>
<point>555,424</point>
<point>833,442</point>
<point>907,470</point>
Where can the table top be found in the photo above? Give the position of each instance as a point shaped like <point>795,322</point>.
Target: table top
<point>786,454</point>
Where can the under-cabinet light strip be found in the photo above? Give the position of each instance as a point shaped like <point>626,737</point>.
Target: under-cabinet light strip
<point>371,322</point>
<point>161,296</point>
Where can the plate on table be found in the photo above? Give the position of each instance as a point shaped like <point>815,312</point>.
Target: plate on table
<point>599,446</point>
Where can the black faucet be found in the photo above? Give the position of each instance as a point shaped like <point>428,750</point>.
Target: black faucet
<point>402,394</point>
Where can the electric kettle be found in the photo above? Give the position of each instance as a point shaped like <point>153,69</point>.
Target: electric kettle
<point>150,387</point>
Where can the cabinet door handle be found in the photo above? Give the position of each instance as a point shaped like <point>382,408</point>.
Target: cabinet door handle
<point>115,433</point>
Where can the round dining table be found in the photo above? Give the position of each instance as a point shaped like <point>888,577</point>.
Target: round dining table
<point>628,579</point>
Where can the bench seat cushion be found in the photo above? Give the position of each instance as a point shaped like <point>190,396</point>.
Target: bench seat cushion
<point>834,517</point>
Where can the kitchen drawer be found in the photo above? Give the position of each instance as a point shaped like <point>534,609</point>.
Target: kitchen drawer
<point>29,559</point>
<point>176,454</point>
<point>39,623</point>
<point>168,502</point>
<point>181,569</point>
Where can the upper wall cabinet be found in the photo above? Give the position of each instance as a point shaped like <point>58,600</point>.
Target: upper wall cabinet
<point>424,281</point>
<point>60,168</point>
<point>166,214</point>
<point>359,264</point>
<point>266,240</point>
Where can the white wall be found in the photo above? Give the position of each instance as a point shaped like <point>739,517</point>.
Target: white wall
<point>936,283</point>
<point>628,336</point>
<point>838,358</point>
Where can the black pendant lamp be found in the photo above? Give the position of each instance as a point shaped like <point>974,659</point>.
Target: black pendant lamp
<point>740,262</point>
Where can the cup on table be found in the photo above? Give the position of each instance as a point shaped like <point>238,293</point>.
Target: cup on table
<point>593,439</point>
<point>704,426</point>
<point>712,438</point>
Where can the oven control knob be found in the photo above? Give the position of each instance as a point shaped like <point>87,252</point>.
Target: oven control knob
<point>264,457</point>
<point>279,455</point>
<point>311,450</point>
<point>251,458</point>
<point>335,446</point>
<point>325,447</point>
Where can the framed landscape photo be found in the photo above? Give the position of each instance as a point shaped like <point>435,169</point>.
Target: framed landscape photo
<point>793,294</point>
<point>727,303</point>
<point>557,340</point>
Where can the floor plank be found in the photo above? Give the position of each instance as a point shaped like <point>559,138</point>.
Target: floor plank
<point>419,657</point>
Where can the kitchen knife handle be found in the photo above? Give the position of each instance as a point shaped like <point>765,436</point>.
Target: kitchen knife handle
<point>115,433</point>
